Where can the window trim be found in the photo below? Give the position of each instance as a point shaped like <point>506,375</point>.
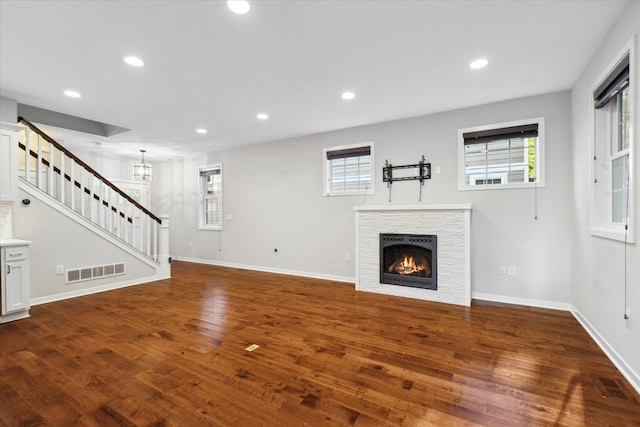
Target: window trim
<point>325,170</point>
<point>540,175</point>
<point>606,227</point>
<point>201,213</point>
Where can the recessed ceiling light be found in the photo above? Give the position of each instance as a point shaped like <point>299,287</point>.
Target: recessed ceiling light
<point>262,116</point>
<point>348,95</point>
<point>238,6</point>
<point>478,63</point>
<point>201,130</point>
<point>134,61</point>
<point>72,94</point>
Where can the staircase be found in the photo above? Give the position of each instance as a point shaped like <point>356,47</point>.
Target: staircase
<point>47,167</point>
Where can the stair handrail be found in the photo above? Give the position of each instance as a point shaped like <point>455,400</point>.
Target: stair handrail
<point>52,141</point>
<point>74,182</point>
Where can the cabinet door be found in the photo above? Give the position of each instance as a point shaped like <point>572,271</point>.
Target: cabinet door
<point>16,286</point>
<point>8,166</point>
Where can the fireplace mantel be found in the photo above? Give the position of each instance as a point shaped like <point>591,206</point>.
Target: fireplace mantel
<point>450,222</point>
<point>438,207</point>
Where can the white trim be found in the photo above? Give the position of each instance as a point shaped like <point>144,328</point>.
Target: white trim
<point>95,290</point>
<point>443,207</point>
<point>611,234</point>
<point>529,302</point>
<point>79,219</point>
<point>331,277</point>
<point>18,315</point>
<point>325,172</point>
<point>12,127</point>
<point>540,156</point>
<point>467,255</point>
<point>357,254</point>
<point>624,368</point>
<point>14,242</point>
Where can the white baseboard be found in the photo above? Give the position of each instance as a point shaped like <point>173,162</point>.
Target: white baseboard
<point>553,305</point>
<point>95,290</point>
<point>619,362</point>
<point>267,269</point>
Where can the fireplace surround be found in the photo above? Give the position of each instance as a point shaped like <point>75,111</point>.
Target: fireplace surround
<point>451,223</point>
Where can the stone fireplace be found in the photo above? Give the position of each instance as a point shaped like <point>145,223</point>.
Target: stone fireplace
<point>447,226</point>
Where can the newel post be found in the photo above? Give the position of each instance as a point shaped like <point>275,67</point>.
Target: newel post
<point>163,247</point>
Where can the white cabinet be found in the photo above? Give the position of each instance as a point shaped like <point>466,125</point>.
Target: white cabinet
<point>14,277</point>
<point>8,162</point>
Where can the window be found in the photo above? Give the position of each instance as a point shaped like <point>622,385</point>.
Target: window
<point>210,197</point>
<point>506,155</point>
<point>348,170</point>
<point>612,194</point>
<point>620,156</point>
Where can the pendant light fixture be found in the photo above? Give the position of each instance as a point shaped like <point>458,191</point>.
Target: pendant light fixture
<point>142,171</point>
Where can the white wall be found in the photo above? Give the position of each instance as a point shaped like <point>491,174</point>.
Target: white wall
<point>8,110</point>
<point>58,240</point>
<point>106,164</point>
<point>274,192</point>
<point>598,264</point>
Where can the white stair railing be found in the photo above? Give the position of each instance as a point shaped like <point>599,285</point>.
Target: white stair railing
<point>53,169</point>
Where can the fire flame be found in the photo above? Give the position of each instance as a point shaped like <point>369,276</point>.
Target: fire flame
<point>409,266</point>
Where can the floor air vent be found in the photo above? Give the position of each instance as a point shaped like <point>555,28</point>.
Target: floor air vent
<point>89,273</point>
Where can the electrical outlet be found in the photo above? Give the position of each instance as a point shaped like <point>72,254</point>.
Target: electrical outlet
<point>190,244</point>
<point>627,317</point>
<point>437,170</point>
<point>347,257</point>
<point>512,270</point>
<point>59,269</point>
<point>503,269</point>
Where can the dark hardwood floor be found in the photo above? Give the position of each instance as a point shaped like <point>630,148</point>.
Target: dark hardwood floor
<point>173,353</point>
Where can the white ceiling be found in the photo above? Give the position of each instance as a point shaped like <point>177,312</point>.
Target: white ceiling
<point>208,67</point>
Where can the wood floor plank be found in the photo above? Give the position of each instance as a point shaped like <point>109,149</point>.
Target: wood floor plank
<point>16,411</point>
<point>172,353</point>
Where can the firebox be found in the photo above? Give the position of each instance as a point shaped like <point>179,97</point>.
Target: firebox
<point>409,260</point>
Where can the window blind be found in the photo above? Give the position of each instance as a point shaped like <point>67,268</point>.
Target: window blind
<point>205,172</point>
<point>349,152</point>
<point>615,82</point>
<point>479,137</point>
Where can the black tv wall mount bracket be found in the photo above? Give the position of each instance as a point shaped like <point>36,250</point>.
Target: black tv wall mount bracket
<point>423,172</point>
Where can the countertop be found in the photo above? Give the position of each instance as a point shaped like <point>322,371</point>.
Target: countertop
<point>13,242</point>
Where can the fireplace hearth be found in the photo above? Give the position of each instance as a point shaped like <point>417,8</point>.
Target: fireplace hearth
<point>409,260</point>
